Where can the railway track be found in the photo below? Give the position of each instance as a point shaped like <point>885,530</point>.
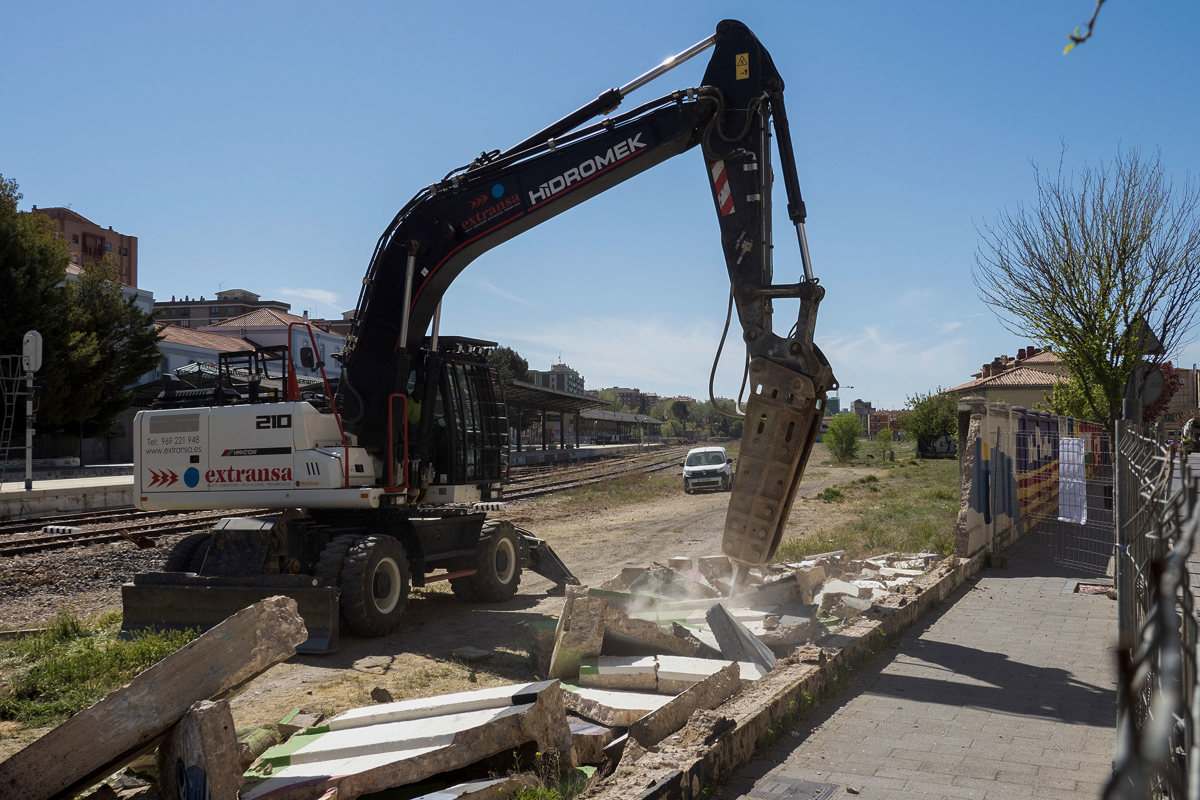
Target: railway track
<point>80,519</point>
<point>131,533</point>
<point>558,472</point>
<point>664,461</point>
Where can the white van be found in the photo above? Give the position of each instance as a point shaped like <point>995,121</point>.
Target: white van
<point>707,468</point>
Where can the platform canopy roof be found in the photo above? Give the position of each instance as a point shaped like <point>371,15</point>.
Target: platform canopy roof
<point>527,396</point>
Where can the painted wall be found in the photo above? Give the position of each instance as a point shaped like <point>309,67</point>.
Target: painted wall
<point>1010,471</point>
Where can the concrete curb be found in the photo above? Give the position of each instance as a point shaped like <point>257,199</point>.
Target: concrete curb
<point>680,770</point>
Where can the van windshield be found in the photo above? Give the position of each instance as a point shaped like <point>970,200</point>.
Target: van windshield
<point>705,459</point>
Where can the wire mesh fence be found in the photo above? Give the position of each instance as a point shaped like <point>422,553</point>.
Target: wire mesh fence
<point>1158,702</point>
<point>1065,489</point>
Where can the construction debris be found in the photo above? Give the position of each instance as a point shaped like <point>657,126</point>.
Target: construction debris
<point>707,694</point>
<point>620,672</point>
<point>666,661</point>
<point>736,641</point>
<point>588,740</point>
<point>201,751</point>
<point>91,744</point>
<point>395,744</point>
<point>611,707</point>
<point>495,789</point>
<point>580,632</point>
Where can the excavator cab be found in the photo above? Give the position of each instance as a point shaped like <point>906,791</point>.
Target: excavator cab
<point>457,425</point>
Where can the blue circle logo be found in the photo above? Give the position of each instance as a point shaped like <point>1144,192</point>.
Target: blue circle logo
<point>497,190</point>
<point>191,477</point>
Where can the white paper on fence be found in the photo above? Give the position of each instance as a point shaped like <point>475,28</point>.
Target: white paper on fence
<point>1072,486</point>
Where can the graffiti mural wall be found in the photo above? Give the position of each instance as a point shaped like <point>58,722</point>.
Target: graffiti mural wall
<point>1015,477</point>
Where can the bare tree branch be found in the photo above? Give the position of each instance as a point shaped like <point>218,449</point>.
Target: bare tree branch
<point>1098,257</point>
<point>1078,38</point>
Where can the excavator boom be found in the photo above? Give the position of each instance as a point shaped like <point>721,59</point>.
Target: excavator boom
<point>505,193</point>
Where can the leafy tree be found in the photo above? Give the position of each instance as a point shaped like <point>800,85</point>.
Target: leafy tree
<point>930,415</point>
<point>1069,400</point>
<point>509,365</point>
<point>96,343</point>
<point>841,437</point>
<point>1100,261</point>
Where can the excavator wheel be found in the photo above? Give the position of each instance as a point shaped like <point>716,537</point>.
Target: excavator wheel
<point>188,553</point>
<point>497,564</point>
<point>374,581</point>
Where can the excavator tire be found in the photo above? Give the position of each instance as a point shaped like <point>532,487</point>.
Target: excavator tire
<point>374,582</point>
<point>328,570</point>
<point>188,553</point>
<point>497,564</point>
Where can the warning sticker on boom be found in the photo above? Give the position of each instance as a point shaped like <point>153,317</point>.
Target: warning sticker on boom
<point>741,64</point>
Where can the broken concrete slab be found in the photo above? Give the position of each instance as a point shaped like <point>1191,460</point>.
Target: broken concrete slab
<point>791,631</point>
<point>626,635</point>
<point>679,673</point>
<point>92,743</point>
<point>845,606</point>
<point>580,632</point>
<point>838,586</point>
<point>809,581</point>
<point>621,581</point>
<point>896,572</point>
<point>494,789</point>
<point>379,747</point>
<point>201,753</point>
<point>589,739</point>
<point>611,707</point>
<point>736,642</point>
<point>707,694</point>
<point>620,672</point>
<point>666,582</point>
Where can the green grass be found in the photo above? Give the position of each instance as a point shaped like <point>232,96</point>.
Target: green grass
<point>912,507</point>
<point>71,665</point>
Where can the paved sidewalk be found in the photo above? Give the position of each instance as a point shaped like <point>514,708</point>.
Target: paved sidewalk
<point>1008,691</point>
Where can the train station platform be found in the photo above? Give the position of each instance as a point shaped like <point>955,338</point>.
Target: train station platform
<point>64,495</point>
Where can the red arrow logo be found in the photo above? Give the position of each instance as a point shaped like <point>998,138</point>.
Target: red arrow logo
<point>166,477</point>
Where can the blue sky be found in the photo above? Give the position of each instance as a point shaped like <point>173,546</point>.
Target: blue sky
<point>266,145</point>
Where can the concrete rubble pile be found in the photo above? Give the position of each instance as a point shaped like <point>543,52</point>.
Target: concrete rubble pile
<point>650,655</point>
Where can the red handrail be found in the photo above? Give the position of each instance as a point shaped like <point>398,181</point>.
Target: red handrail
<point>391,443</point>
<point>294,391</point>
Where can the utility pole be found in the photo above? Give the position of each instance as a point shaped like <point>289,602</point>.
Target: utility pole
<point>31,362</point>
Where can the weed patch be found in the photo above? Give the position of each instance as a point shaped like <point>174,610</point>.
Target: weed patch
<point>831,494</point>
<point>912,507</point>
<point>73,664</point>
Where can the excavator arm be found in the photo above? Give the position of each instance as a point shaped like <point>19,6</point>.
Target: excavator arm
<point>503,194</point>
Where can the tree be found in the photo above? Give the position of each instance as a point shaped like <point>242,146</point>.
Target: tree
<point>1102,259</point>
<point>1067,398</point>
<point>930,415</point>
<point>841,437</point>
<point>509,365</point>
<point>96,343</point>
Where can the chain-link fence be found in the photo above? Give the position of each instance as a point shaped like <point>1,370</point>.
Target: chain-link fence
<point>1158,702</point>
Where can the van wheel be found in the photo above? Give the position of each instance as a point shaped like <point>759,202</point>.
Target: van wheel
<point>374,581</point>
<point>497,565</point>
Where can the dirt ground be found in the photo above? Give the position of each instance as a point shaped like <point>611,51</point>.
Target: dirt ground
<point>595,542</point>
